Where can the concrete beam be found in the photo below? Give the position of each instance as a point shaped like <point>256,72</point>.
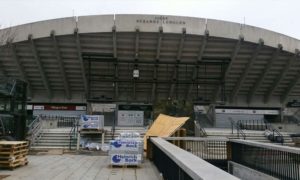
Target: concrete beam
<point>114,41</point>
<point>181,44</point>
<point>40,66</point>
<point>3,73</point>
<point>174,80</point>
<point>61,65</point>
<point>116,84</point>
<point>196,67</point>
<point>250,64</point>
<point>281,76</point>
<point>160,34</point>
<point>154,85</point>
<point>259,82</point>
<point>137,42</point>
<point>290,88</point>
<point>153,90</point>
<point>203,45</point>
<point>82,66</point>
<point>20,68</point>
<point>233,59</point>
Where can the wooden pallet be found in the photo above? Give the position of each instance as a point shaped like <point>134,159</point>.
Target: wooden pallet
<point>13,144</point>
<point>13,164</point>
<point>92,130</point>
<point>125,166</point>
<point>13,154</point>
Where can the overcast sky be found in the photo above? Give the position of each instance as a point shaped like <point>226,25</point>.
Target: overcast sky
<point>277,15</point>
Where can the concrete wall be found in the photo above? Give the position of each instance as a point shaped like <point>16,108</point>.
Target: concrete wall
<point>284,127</point>
<point>246,173</point>
<point>149,23</point>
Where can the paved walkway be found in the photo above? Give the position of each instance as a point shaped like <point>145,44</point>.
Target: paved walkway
<point>73,167</point>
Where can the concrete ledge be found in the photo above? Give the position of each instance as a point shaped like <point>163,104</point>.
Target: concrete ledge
<point>246,173</point>
<point>268,146</point>
<point>194,166</point>
<point>198,138</point>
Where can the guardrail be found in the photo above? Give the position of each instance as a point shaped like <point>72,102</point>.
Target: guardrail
<point>199,131</point>
<point>239,131</point>
<point>176,163</point>
<point>34,130</point>
<point>256,124</point>
<point>61,121</point>
<point>212,150</point>
<point>259,125</point>
<point>275,160</point>
<point>73,133</point>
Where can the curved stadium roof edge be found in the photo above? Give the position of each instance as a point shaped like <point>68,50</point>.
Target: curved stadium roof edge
<point>149,23</point>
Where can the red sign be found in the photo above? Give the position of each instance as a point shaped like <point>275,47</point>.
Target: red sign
<point>60,107</point>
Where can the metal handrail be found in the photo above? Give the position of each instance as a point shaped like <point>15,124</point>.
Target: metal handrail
<point>252,124</point>
<point>275,132</point>
<point>73,132</point>
<point>201,130</point>
<point>34,129</point>
<point>210,114</point>
<point>239,131</point>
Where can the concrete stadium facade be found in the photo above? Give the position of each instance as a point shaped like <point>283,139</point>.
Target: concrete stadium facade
<point>144,58</point>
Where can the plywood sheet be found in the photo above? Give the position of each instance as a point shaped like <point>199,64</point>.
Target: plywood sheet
<point>164,126</point>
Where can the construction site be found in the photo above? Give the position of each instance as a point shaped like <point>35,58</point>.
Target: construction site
<point>148,97</point>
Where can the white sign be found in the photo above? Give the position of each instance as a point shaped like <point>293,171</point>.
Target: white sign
<point>36,107</point>
<point>80,108</point>
<point>246,111</point>
<point>103,107</point>
<point>29,107</point>
<point>130,118</point>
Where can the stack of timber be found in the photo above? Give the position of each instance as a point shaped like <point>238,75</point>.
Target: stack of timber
<point>13,154</point>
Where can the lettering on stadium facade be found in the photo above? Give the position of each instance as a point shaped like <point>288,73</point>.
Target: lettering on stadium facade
<point>158,19</point>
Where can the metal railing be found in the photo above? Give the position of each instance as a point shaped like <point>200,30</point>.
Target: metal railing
<point>256,124</point>
<point>34,130</point>
<point>199,131</point>
<point>212,150</point>
<point>61,121</point>
<point>239,131</point>
<point>276,135</point>
<point>73,133</point>
<point>260,125</point>
<point>211,114</point>
<point>175,163</point>
<point>277,161</point>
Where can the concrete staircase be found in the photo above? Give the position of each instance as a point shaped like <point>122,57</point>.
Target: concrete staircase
<point>258,136</point>
<point>59,138</point>
<point>54,139</point>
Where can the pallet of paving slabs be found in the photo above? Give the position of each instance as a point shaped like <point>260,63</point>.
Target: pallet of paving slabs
<point>13,153</point>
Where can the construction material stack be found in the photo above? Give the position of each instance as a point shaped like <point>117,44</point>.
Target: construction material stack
<point>13,154</point>
<point>126,150</point>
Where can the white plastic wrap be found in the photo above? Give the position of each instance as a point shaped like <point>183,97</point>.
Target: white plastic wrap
<point>92,122</point>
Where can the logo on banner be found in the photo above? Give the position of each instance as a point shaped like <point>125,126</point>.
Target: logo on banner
<point>116,158</point>
<point>117,144</point>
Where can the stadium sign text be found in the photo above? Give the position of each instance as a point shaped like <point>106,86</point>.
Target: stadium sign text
<point>162,19</point>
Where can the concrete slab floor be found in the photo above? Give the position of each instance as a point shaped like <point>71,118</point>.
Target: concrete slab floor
<point>73,167</point>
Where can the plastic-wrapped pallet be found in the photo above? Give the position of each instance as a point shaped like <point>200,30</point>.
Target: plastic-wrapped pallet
<point>92,122</point>
<point>125,159</point>
<point>127,149</point>
<point>128,146</point>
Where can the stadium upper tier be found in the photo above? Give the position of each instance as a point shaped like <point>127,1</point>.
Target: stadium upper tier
<point>143,58</point>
